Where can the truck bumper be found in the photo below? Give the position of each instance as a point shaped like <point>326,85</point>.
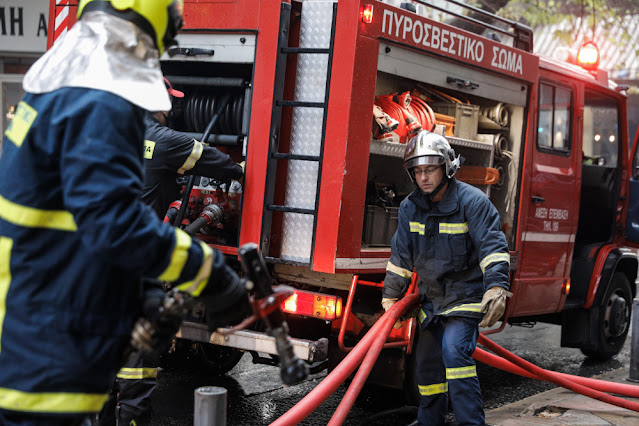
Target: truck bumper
<point>307,350</point>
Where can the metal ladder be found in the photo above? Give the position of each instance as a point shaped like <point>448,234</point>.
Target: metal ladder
<point>274,154</point>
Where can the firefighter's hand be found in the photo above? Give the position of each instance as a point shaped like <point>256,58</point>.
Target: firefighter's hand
<point>155,331</point>
<point>494,305</point>
<point>387,303</point>
<point>224,297</point>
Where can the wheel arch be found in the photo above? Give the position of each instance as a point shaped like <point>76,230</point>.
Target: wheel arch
<point>616,259</point>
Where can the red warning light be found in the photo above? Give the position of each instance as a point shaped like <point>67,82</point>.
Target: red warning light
<point>367,13</point>
<point>588,56</point>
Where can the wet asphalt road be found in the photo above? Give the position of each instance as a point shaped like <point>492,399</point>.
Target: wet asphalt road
<point>257,397</point>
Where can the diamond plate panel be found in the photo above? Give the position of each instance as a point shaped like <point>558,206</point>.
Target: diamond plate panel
<point>297,237</point>
<point>301,185</point>
<point>306,130</point>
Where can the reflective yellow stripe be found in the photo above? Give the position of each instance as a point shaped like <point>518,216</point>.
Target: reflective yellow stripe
<point>24,117</point>
<point>5,278</point>
<point>492,258</point>
<point>461,372</point>
<point>421,315</point>
<point>453,228</point>
<point>138,373</point>
<point>433,389</point>
<point>195,155</point>
<point>195,287</point>
<point>466,307</point>
<point>404,273</point>
<point>51,402</point>
<point>149,148</point>
<point>35,218</point>
<point>178,257</point>
<point>417,227</point>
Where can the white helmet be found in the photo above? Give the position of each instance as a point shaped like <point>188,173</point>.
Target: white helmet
<point>430,148</point>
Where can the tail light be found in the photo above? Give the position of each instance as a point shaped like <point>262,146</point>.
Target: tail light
<point>316,305</point>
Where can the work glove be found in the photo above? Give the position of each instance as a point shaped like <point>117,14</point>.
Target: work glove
<point>387,303</point>
<point>155,330</point>
<point>494,305</point>
<point>224,297</point>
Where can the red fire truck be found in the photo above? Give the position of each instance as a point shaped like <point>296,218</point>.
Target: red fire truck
<point>547,141</point>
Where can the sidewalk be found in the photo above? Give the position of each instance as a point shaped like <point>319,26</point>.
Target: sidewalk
<point>560,406</point>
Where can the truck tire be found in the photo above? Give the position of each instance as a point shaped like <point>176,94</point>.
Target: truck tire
<point>613,319</point>
<point>217,360</point>
<point>209,359</point>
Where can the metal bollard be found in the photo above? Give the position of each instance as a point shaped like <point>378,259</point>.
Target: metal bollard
<point>634,348</point>
<point>210,406</point>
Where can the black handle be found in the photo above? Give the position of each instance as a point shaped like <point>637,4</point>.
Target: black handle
<point>292,369</point>
<point>538,199</point>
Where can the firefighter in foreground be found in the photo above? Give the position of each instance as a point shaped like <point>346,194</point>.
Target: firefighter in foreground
<point>167,154</point>
<point>449,233</point>
<point>75,237</point>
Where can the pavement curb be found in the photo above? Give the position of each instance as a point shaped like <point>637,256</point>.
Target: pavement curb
<point>560,406</point>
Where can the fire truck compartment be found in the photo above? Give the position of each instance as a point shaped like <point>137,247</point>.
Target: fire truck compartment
<point>488,123</point>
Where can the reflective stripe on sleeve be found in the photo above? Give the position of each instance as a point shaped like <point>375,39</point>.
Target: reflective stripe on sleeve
<point>466,307</point>
<point>461,372</point>
<point>51,402</point>
<point>404,273</point>
<point>30,217</point>
<point>5,278</point>
<point>417,227</point>
<point>453,228</point>
<point>421,316</point>
<point>433,389</point>
<point>195,155</point>
<point>178,257</point>
<point>137,373</point>
<point>493,258</point>
<point>195,287</point>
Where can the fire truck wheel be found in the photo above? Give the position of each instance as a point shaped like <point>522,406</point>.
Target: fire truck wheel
<point>613,319</point>
<point>188,355</point>
<point>217,360</point>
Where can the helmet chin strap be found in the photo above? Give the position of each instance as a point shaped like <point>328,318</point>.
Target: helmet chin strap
<point>434,192</point>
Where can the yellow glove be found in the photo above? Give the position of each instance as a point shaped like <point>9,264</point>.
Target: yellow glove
<point>494,305</point>
<point>387,303</point>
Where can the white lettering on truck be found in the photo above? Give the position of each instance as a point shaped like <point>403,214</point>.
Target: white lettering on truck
<point>446,41</point>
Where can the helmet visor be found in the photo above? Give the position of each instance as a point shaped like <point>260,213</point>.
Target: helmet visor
<point>424,160</point>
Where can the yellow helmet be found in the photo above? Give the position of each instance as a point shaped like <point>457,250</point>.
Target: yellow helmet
<point>161,19</point>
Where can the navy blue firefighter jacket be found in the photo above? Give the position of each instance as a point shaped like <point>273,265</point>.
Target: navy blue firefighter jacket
<point>75,241</point>
<point>456,247</point>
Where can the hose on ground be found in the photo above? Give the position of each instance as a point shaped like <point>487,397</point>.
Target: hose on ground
<point>552,377</point>
<point>600,385</point>
<point>369,347</point>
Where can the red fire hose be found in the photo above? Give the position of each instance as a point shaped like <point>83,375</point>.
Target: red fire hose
<point>371,344</point>
<point>331,382</point>
<point>360,377</point>
<point>600,385</point>
<point>552,377</point>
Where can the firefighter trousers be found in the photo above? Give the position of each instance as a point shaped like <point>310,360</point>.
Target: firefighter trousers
<point>130,398</point>
<point>445,367</point>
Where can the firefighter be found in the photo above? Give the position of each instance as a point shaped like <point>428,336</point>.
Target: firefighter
<point>449,233</point>
<point>167,154</point>
<point>76,240</point>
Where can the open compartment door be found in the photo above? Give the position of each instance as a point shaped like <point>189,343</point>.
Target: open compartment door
<point>632,212</point>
